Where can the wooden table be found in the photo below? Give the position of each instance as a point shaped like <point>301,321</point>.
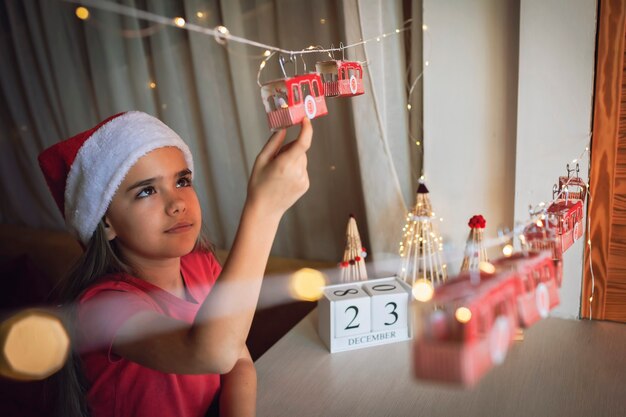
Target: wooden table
<point>562,368</point>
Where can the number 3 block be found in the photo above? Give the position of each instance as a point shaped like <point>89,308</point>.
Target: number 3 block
<point>353,316</point>
<point>389,305</point>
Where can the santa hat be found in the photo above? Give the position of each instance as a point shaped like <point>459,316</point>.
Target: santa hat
<point>84,171</point>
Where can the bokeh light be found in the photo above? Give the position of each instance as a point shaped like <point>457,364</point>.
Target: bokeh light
<point>463,314</point>
<point>82,13</point>
<point>423,290</point>
<point>487,267</point>
<point>307,284</point>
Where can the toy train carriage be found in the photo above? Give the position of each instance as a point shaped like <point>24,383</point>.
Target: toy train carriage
<point>288,101</point>
<point>574,188</point>
<point>341,78</point>
<point>542,237</point>
<point>470,330</point>
<point>536,274</point>
<point>569,221</point>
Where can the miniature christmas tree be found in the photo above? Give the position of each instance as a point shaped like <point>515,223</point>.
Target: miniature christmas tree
<point>353,263</point>
<point>475,251</point>
<point>421,247</point>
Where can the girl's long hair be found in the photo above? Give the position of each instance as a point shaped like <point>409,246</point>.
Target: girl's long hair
<point>101,257</point>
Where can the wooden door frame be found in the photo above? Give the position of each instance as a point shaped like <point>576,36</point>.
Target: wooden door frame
<point>602,233</point>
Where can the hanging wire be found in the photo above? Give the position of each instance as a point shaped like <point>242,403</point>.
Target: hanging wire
<point>220,33</point>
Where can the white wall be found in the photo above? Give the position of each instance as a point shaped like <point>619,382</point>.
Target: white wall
<point>556,71</point>
<point>495,143</point>
<point>470,96</point>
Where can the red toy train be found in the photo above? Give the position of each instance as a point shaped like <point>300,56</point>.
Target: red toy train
<point>470,322</point>
<point>562,222</point>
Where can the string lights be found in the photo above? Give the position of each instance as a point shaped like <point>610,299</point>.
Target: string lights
<point>221,33</point>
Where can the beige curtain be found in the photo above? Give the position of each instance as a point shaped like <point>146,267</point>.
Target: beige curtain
<point>389,164</point>
<point>60,75</point>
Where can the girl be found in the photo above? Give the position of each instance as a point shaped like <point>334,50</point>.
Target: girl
<point>155,337</point>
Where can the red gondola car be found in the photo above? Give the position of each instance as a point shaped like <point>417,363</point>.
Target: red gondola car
<point>289,100</point>
<point>341,78</point>
<point>466,328</point>
<point>567,217</point>
<point>536,275</point>
<point>574,188</point>
<point>542,237</point>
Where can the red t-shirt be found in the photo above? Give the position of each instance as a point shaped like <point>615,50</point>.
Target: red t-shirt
<point>119,387</point>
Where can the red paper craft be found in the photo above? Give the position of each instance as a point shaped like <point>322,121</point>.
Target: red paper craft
<point>341,78</point>
<point>289,100</point>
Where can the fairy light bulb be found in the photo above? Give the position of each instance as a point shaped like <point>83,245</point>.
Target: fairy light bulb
<point>507,250</point>
<point>423,290</point>
<point>424,27</point>
<point>267,53</point>
<point>152,85</point>
<point>408,106</point>
<point>463,314</point>
<point>200,15</point>
<point>487,267</point>
<point>82,13</point>
<point>262,65</point>
<point>179,21</point>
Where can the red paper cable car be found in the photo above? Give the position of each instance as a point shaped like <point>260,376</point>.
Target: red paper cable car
<point>287,101</point>
<point>573,187</point>
<point>341,78</point>
<point>539,236</point>
<point>470,331</point>
<point>536,276</point>
<point>568,217</point>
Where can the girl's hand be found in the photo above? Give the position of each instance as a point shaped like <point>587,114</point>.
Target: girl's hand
<point>279,176</point>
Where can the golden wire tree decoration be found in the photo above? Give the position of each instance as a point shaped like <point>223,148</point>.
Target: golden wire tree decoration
<point>475,251</point>
<point>353,263</point>
<point>421,248</point>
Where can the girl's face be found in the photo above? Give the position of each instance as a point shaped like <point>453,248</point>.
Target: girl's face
<point>155,213</point>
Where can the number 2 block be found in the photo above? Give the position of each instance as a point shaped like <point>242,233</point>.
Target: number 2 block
<point>351,313</point>
<point>389,303</point>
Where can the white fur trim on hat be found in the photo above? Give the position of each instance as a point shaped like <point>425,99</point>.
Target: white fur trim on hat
<point>103,162</point>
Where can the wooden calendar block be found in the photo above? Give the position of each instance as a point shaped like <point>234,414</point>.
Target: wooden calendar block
<point>389,301</point>
<point>350,310</point>
<point>347,312</point>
